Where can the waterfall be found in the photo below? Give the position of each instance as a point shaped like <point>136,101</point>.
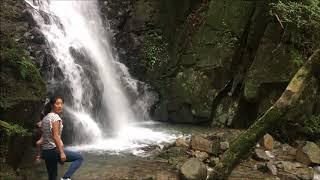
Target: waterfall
<point>78,41</point>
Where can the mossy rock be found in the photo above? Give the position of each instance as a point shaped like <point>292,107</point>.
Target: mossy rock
<point>194,88</point>
<point>175,156</point>
<point>20,78</point>
<point>274,63</point>
<point>23,88</point>
<point>216,39</point>
<point>231,14</point>
<point>156,54</point>
<point>225,112</point>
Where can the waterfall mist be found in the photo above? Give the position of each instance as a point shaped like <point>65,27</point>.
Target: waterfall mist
<point>96,83</point>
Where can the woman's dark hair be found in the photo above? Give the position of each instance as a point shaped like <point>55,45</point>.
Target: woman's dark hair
<point>48,106</point>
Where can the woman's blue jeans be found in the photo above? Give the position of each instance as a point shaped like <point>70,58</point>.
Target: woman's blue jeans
<point>52,157</point>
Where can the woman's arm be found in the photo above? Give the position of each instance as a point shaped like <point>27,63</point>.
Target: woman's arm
<point>57,139</point>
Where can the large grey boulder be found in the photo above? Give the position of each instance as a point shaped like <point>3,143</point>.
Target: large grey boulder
<point>193,169</point>
<point>308,154</point>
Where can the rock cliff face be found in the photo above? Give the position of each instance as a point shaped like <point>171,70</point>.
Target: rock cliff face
<point>22,87</point>
<point>223,62</point>
<point>220,62</point>
<point>22,90</point>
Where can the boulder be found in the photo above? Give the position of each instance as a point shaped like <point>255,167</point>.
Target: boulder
<point>193,169</point>
<point>305,173</point>
<point>289,166</point>
<point>308,154</point>
<point>289,150</point>
<point>200,143</point>
<point>175,156</point>
<point>181,143</point>
<point>316,175</point>
<point>287,176</point>
<point>214,161</point>
<point>267,142</point>
<point>224,145</point>
<point>260,154</point>
<point>200,155</point>
<point>272,168</point>
<point>296,169</point>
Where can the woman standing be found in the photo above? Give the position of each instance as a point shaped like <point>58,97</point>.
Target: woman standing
<point>52,147</point>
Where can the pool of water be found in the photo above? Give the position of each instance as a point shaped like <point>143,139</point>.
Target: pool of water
<point>134,161</point>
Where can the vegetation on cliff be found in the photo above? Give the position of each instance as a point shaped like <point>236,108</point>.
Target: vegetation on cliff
<point>20,78</point>
<point>270,119</point>
<point>22,87</point>
<point>301,20</point>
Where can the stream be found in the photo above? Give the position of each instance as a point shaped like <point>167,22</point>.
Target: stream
<point>140,162</point>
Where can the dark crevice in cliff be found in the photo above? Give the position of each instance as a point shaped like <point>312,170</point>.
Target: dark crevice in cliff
<point>241,62</point>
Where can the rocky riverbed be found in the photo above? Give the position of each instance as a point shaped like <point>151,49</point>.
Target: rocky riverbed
<point>193,156</point>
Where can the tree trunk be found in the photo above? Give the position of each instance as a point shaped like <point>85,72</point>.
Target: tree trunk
<point>240,147</point>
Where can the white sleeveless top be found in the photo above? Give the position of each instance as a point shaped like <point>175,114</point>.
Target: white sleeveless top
<point>47,121</point>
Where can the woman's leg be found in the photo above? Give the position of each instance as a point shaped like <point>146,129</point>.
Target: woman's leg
<point>52,169</point>
<point>76,160</point>
<point>51,160</point>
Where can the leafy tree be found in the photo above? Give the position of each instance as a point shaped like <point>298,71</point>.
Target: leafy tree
<point>301,21</point>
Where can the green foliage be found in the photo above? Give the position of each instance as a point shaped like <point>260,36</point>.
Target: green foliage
<point>13,129</point>
<point>20,78</point>
<point>155,50</point>
<point>15,57</point>
<point>297,58</point>
<point>6,131</point>
<point>312,125</point>
<point>228,38</point>
<point>301,20</point>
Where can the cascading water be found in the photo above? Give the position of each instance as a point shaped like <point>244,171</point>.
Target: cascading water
<point>76,26</point>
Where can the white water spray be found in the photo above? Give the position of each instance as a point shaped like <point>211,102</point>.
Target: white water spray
<point>77,24</point>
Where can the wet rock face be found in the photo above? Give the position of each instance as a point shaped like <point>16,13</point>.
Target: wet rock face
<point>126,29</point>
